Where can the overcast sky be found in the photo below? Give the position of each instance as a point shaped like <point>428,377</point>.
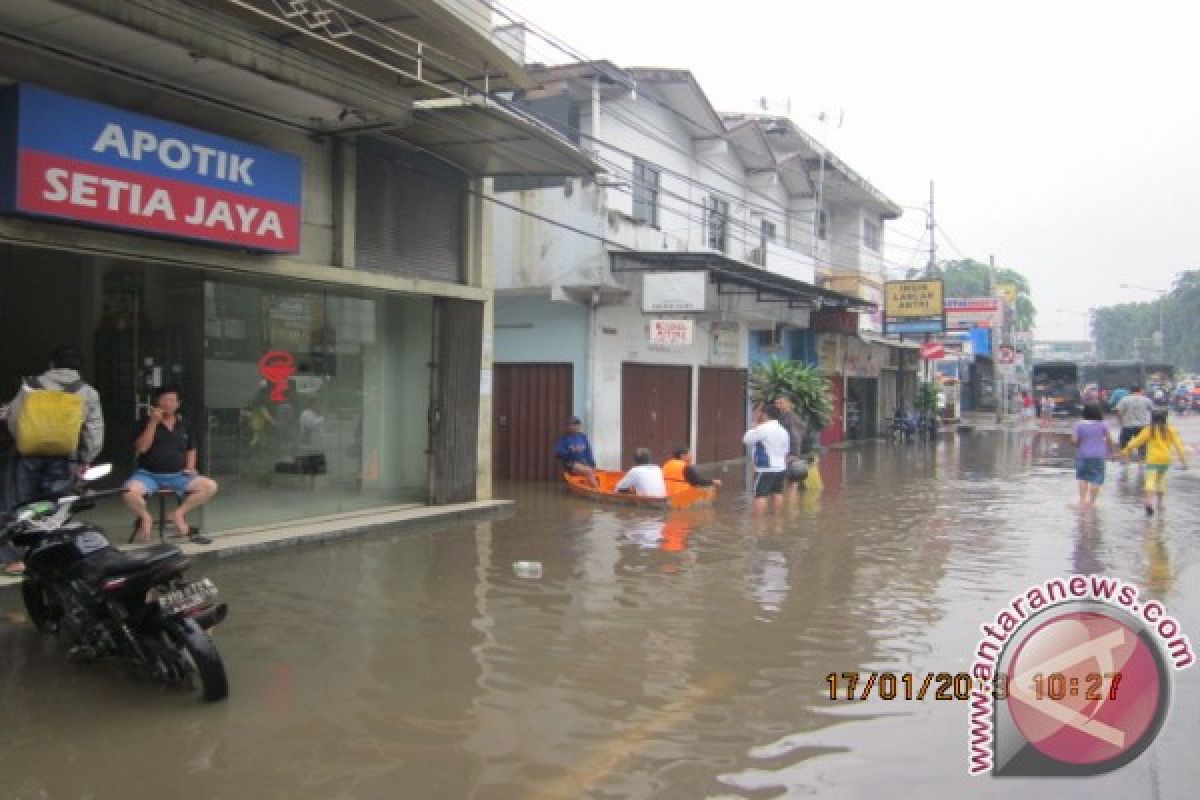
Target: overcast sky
<point>1062,136</point>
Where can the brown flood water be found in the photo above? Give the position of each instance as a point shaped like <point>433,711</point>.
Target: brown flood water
<point>657,656</point>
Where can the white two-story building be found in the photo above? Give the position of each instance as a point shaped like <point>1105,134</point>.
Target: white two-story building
<point>637,301</point>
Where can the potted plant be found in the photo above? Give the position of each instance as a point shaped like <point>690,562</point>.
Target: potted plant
<point>804,384</point>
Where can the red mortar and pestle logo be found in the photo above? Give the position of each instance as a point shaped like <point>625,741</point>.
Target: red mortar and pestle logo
<point>277,366</point>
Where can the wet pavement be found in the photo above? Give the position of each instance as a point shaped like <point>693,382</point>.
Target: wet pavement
<point>676,656</point>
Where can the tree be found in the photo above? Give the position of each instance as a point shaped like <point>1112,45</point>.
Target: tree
<point>804,384</point>
<point>1129,330</point>
<point>971,278</point>
<point>1123,332</point>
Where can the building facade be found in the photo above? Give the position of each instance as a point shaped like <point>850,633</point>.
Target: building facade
<point>277,214</point>
<point>639,300</point>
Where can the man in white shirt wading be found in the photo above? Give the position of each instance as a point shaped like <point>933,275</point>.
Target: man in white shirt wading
<point>645,479</point>
<point>770,441</point>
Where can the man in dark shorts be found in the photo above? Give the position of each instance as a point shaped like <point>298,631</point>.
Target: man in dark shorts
<point>167,460</point>
<point>1133,412</point>
<point>770,442</point>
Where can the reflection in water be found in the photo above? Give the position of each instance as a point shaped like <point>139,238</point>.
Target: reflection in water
<point>1085,559</point>
<point>677,655</point>
<point>1159,578</point>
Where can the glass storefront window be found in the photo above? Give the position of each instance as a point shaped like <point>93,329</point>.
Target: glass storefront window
<point>343,425</point>
<point>316,402</point>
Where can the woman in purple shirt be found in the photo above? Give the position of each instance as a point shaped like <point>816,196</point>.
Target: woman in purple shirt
<point>1093,446</point>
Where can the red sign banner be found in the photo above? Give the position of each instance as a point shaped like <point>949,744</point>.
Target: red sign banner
<point>931,351</point>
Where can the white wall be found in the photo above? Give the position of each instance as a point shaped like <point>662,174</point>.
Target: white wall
<point>529,252</point>
<point>622,336</point>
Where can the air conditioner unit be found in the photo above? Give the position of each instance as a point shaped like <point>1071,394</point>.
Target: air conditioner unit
<point>759,256</point>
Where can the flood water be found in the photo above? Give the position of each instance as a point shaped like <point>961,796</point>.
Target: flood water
<point>676,656</point>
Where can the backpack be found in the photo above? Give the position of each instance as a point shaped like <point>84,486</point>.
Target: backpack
<point>761,459</point>
<point>50,420</point>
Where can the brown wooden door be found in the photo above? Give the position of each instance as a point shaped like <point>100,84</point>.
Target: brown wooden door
<point>656,403</point>
<point>530,407</point>
<point>722,411</point>
<point>454,407</point>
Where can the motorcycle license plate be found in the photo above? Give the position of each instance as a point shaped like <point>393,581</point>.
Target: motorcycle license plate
<point>195,595</point>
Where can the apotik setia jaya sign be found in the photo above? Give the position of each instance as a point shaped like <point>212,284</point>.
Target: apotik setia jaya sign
<point>70,159</point>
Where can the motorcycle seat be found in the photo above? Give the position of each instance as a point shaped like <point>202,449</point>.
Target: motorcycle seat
<point>116,562</point>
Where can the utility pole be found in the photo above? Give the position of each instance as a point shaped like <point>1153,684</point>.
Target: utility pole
<point>927,371</point>
<point>931,226</point>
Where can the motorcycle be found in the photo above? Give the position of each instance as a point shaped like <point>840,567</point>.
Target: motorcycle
<point>105,603</point>
<point>904,425</point>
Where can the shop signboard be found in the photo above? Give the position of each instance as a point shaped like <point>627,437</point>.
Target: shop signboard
<point>69,159</point>
<point>829,353</point>
<point>931,351</point>
<point>834,320</point>
<point>913,307</point>
<point>1008,292</point>
<point>673,291</point>
<point>964,313</point>
<point>670,333</point>
<point>871,321</point>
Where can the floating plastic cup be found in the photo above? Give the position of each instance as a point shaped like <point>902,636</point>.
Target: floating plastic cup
<point>527,569</point>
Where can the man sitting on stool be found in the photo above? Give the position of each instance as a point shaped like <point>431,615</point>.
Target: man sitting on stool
<point>167,460</point>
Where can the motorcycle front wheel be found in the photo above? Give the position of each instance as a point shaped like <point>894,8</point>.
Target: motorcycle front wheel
<point>43,611</point>
<point>199,664</point>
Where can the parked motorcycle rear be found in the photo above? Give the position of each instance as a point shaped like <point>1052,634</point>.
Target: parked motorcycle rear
<point>103,603</point>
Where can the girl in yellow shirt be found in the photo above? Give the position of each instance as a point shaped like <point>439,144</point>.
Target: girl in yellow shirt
<point>1159,438</point>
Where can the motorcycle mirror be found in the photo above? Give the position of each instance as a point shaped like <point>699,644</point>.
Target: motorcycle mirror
<point>97,472</point>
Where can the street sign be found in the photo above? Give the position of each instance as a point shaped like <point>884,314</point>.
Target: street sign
<point>913,307</point>
<point>1005,354</point>
<point>1007,292</point>
<point>931,351</point>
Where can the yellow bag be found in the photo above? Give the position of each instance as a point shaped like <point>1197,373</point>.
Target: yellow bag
<point>50,420</point>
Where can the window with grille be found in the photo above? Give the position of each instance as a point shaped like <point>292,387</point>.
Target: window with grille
<point>768,232</point>
<point>716,223</point>
<point>645,193</point>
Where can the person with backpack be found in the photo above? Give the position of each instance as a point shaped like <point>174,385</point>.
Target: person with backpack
<point>57,426</point>
<point>770,441</point>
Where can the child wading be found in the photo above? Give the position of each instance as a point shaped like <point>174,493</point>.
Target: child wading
<point>1159,438</point>
<point>1093,445</point>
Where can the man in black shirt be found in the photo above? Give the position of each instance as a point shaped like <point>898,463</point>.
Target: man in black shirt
<point>167,460</point>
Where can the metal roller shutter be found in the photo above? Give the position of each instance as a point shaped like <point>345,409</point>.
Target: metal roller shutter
<point>409,213</point>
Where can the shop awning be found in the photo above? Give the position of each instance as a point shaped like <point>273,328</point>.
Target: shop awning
<point>733,277</point>
<point>486,138</point>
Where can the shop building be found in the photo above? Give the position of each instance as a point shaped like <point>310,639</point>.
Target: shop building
<point>279,216</point>
<point>841,222</point>
<point>637,301</point>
